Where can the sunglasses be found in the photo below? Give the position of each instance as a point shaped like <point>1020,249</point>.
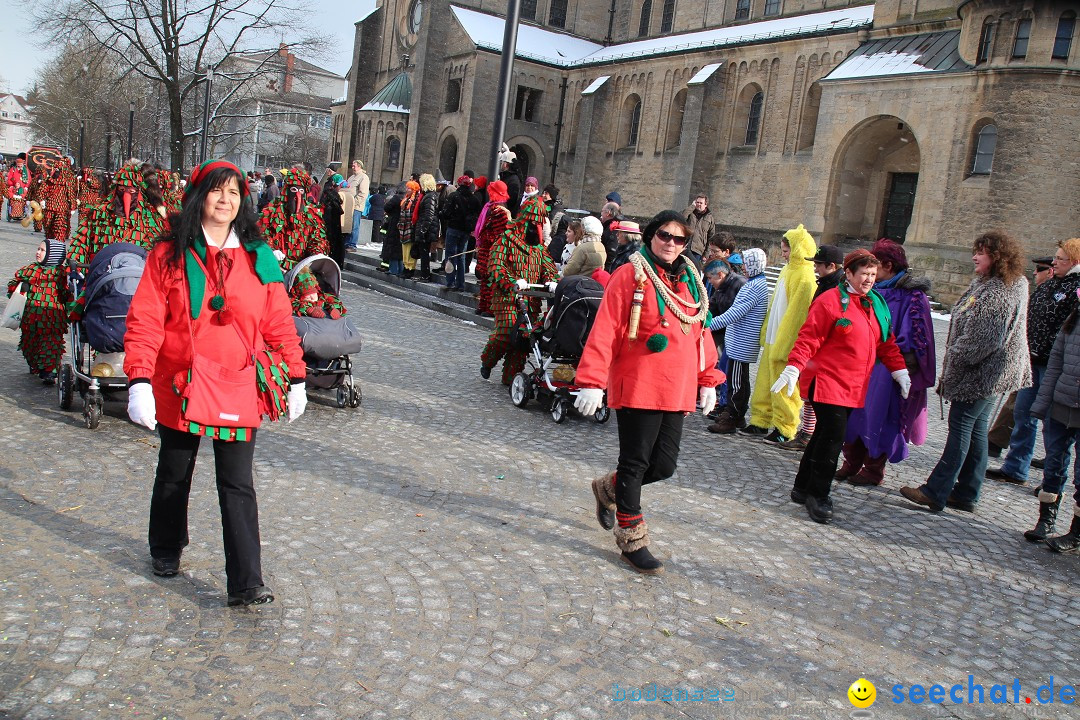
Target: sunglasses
<point>665,236</point>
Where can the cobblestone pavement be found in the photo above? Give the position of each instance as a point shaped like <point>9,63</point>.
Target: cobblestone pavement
<point>434,555</point>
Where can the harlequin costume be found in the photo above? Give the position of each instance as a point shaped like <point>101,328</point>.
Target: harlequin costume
<point>292,224</point>
<point>18,182</point>
<point>489,227</point>
<point>309,300</point>
<point>786,314</point>
<point>512,259</point>
<point>89,189</point>
<point>44,320</point>
<point>60,193</point>
<point>171,192</point>
<point>127,215</point>
<point>649,349</point>
<point>34,195</point>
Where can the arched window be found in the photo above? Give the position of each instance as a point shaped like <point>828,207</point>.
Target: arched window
<point>753,118</point>
<point>646,15</point>
<point>557,14</point>
<point>675,120</point>
<point>631,121</point>
<point>453,96</point>
<point>1023,35</point>
<point>393,152</point>
<point>1063,40</point>
<point>808,129</point>
<point>667,19</point>
<point>448,157</point>
<point>985,145</point>
<point>528,9</point>
<point>986,41</point>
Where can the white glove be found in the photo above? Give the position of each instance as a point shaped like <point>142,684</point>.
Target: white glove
<point>903,379</point>
<point>706,398</point>
<point>522,284</point>
<point>297,400</point>
<point>589,400</point>
<point>551,286</point>
<point>279,255</point>
<point>142,408</point>
<point>789,378</point>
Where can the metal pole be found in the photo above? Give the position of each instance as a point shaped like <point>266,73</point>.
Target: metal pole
<point>131,125</point>
<point>206,116</point>
<point>506,69</point>
<point>82,142</point>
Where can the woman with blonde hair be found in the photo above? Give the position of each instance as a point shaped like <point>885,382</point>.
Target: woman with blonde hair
<point>986,355</point>
<point>426,231</point>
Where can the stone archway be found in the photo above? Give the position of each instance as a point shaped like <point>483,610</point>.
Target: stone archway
<point>448,153</point>
<point>530,158</point>
<point>874,178</point>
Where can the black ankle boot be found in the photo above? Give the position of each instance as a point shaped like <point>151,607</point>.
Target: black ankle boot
<point>634,543</point>
<point>1047,517</point>
<point>1069,542</point>
<point>643,561</point>
<point>604,491</point>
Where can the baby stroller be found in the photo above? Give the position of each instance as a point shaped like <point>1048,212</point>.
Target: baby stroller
<point>555,349</point>
<point>327,342</point>
<point>96,369</point>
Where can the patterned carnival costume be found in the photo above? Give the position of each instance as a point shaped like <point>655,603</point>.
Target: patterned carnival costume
<point>128,214</point>
<point>89,189</point>
<point>171,193</point>
<point>518,255</point>
<point>18,182</point>
<point>60,193</point>
<point>44,320</point>
<point>489,228</point>
<point>293,225</point>
<point>311,301</point>
<point>35,193</point>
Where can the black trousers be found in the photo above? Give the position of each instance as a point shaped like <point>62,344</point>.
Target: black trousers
<point>648,451</point>
<point>168,533</point>
<point>819,460</point>
<point>738,401</point>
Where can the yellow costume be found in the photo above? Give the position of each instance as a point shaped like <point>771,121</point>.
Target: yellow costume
<point>787,312</point>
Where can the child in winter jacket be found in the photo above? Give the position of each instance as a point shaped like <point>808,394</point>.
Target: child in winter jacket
<point>44,320</point>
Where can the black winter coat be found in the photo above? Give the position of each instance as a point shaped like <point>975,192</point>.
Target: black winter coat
<point>392,243</point>
<point>1048,307</point>
<point>427,220</point>
<point>513,189</point>
<point>377,210</point>
<point>828,282</point>
<point>461,210</point>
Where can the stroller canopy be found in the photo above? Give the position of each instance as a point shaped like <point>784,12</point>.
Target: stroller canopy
<point>323,267</point>
<point>111,280</point>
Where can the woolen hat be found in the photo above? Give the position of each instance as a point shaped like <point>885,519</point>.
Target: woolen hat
<point>55,252</point>
<point>855,255</point>
<point>463,180</point>
<point>614,197</point>
<point>592,226</point>
<point>532,181</point>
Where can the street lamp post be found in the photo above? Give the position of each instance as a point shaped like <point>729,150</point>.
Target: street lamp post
<point>206,116</point>
<point>82,140</point>
<point>131,125</point>
<point>506,70</point>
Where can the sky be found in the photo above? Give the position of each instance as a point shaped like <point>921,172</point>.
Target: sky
<point>20,58</point>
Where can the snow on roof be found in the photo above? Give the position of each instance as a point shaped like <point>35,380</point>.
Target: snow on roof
<point>595,85</point>
<point>533,43</point>
<point>704,74</point>
<point>927,52</point>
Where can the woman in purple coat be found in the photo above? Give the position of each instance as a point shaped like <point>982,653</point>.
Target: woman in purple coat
<point>881,429</point>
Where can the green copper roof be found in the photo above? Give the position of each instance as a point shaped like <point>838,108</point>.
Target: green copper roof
<point>395,97</point>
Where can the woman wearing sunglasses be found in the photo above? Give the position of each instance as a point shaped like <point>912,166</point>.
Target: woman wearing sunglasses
<point>649,350</point>
<point>211,294</point>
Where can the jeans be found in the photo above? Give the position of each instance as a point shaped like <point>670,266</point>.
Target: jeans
<point>818,464</point>
<point>1022,441</point>
<point>456,242</point>
<point>963,461</point>
<point>168,532</point>
<point>1058,441</point>
<point>648,451</point>
<point>351,242</point>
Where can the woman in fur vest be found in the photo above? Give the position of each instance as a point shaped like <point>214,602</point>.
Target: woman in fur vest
<point>650,351</point>
<point>986,355</point>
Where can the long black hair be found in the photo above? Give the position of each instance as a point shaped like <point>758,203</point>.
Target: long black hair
<point>186,226</point>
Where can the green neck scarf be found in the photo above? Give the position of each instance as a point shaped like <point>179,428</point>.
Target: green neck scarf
<point>880,307</point>
<point>266,268</point>
<point>684,277</point>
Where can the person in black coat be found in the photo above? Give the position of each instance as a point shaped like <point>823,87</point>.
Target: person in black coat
<point>461,210</point>
<point>829,268</point>
<point>391,252</point>
<point>427,226</point>
<point>509,175</point>
<point>330,201</point>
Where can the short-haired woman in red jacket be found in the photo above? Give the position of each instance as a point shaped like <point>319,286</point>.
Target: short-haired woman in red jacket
<point>212,287</point>
<point>649,349</point>
<point>847,330</point>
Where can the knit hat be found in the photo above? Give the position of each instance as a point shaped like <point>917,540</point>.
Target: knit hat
<point>754,261</point>
<point>497,192</point>
<point>481,182</point>
<point>55,252</point>
<point>463,180</point>
<point>591,226</point>
<point>532,181</point>
<point>337,179</point>
<point>202,171</point>
<point>856,255</point>
<point>614,197</point>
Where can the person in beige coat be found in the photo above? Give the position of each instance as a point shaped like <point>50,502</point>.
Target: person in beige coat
<point>359,185</point>
<point>589,254</point>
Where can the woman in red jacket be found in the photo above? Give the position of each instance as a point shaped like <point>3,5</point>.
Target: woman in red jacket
<point>649,349</point>
<point>211,289</point>
<point>846,331</point>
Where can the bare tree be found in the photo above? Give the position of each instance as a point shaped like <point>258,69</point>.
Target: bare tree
<point>176,44</point>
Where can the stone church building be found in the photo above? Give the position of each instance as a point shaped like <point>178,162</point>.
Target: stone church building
<point>926,121</point>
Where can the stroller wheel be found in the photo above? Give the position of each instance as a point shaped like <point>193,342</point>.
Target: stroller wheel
<point>355,396</point>
<point>519,390</point>
<point>91,414</point>
<point>342,396</point>
<point>602,415</point>
<point>65,388</point>
<point>559,410</point>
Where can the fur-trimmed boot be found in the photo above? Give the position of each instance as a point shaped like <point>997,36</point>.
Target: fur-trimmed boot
<point>1048,510</point>
<point>634,543</point>
<point>603,489</point>
<point>1069,542</point>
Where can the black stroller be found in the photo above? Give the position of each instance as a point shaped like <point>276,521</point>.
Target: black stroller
<point>555,349</point>
<point>96,368</point>
<point>327,342</point>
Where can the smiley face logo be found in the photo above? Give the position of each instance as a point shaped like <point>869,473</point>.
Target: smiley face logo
<point>862,693</point>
